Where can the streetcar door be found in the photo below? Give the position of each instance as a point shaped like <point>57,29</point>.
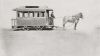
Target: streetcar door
<point>50,19</point>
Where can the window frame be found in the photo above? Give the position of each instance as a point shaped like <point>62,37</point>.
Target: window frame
<point>35,14</point>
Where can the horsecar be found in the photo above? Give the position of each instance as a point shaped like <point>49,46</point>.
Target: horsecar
<point>32,17</point>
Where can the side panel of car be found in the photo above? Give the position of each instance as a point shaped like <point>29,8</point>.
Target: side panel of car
<point>31,21</point>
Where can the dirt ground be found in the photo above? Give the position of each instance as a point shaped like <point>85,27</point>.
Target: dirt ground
<point>56,42</point>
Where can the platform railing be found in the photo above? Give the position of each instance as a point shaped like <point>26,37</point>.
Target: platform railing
<point>13,22</point>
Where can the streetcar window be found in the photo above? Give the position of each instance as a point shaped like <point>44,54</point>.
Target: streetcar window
<point>20,14</point>
<point>39,14</point>
<point>42,14</point>
<point>25,14</point>
<point>31,14</point>
<point>36,14</point>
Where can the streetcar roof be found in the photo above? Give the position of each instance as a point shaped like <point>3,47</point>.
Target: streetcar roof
<point>32,8</point>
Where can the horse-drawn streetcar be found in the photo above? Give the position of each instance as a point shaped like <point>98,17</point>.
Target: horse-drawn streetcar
<point>32,17</point>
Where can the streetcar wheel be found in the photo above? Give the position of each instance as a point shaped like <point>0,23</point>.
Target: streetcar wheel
<point>28,29</point>
<point>36,27</point>
<point>41,28</point>
<point>23,29</point>
<point>14,28</point>
<point>52,27</point>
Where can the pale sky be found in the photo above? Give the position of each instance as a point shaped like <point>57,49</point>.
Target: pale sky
<point>89,8</point>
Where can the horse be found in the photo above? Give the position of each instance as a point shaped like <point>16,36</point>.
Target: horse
<point>72,19</point>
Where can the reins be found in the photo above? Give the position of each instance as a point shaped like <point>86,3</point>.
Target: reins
<point>66,26</point>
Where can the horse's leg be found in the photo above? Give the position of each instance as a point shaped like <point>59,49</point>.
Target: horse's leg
<point>64,22</point>
<point>76,25</point>
<point>64,25</point>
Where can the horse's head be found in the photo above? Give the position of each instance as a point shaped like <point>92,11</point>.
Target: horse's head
<point>81,15</point>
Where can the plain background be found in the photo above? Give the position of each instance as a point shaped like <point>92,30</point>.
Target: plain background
<point>89,8</point>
